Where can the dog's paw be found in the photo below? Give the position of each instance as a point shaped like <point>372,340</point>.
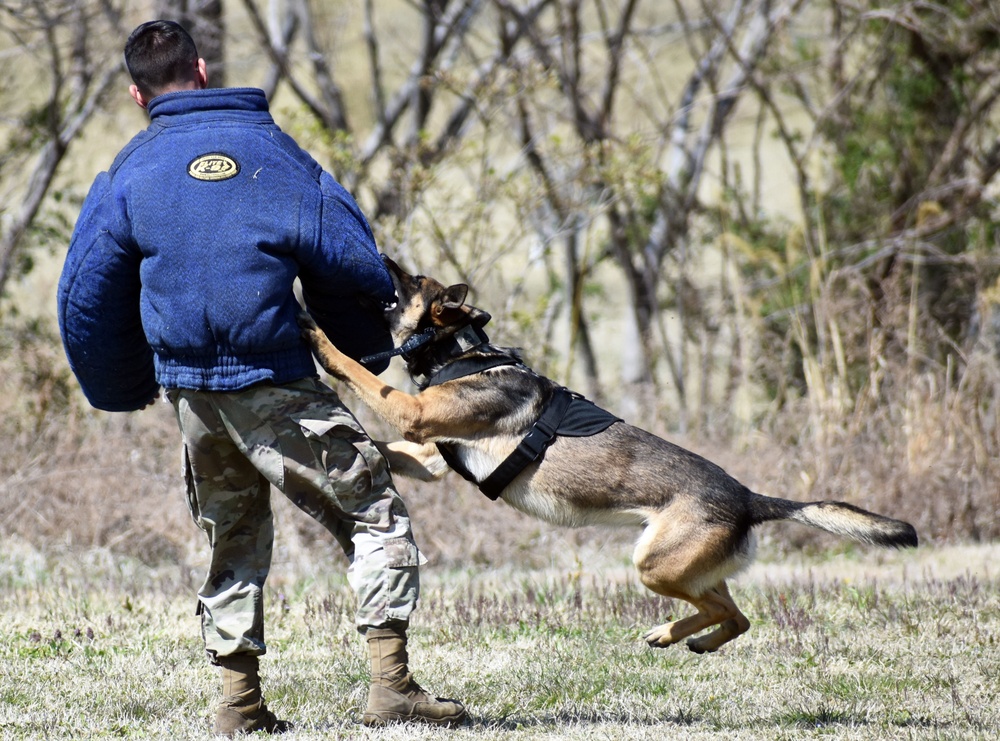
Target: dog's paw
<point>698,646</point>
<point>306,323</point>
<point>311,332</point>
<point>414,460</point>
<point>435,465</point>
<point>660,637</point>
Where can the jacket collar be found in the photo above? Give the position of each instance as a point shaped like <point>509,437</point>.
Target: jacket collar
<point>250,102</point>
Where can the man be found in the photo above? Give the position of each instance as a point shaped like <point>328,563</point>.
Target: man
<point>180,275</point>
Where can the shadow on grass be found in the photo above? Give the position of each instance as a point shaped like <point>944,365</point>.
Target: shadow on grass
<point>828,719</point>
<point>568,718</point>
<point>820,719</point>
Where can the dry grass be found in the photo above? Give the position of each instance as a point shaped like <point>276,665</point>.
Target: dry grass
<point>100,645</point>
<point>537,628</point>
<point>78,478</point>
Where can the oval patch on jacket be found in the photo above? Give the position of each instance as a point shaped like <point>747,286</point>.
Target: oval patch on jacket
<point>214,166</point>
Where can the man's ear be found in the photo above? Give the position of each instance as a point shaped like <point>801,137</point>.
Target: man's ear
<point>137,96</point>
<point>202,74</point>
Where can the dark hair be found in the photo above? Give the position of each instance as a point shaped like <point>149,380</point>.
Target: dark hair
<point>159,54</point>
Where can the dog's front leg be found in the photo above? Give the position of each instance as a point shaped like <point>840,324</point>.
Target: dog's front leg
<point>422,418</point>
<point>328,355</point>
<point>402,410</point>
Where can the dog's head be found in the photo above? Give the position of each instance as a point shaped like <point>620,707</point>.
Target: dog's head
<point>423,303</point>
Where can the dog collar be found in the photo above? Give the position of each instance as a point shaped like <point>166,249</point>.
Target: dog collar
<point>467,338</point>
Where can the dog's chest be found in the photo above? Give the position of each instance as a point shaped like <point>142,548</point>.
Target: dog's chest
<point>523,495</point>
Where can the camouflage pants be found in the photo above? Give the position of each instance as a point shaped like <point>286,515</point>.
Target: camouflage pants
<point>301,439</point>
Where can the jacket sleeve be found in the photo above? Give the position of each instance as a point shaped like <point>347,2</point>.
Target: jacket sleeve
<point>345,284</point>
<point>98,310</point>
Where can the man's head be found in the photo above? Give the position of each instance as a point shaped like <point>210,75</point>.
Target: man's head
<point>161,58</point>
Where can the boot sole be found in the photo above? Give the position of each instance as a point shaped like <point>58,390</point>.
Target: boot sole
<point>386,719</point>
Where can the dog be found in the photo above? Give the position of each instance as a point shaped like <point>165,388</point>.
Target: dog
<point>482,407</point>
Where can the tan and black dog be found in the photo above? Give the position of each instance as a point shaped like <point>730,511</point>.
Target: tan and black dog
<point>492,418</point>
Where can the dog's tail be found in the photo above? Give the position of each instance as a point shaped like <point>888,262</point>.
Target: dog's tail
<point>838,518</point>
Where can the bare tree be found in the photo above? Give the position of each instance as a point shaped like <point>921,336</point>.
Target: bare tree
<point>581,136</point>
<point>62,40</point>
<point>602,61</point>
<point>605,64</point>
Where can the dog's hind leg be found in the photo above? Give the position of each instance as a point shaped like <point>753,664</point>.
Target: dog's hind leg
<point>690,561</point>
<point>416,461</point>
<point>712,610</point>
<point>727,630</point>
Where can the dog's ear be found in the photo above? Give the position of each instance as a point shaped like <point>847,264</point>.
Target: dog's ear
<point>453,296</point>
<point>447,307</point>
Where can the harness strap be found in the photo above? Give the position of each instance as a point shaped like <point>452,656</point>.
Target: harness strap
<point>455,464</point>
<point>469,366</point>
<point>530,449</point>
<point>582,418</point>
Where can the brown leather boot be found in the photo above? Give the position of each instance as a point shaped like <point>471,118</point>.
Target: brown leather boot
<point>394,697</point>
<point>242,708</point>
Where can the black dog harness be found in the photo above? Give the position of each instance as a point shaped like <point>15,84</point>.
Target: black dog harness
<point>566,413</point>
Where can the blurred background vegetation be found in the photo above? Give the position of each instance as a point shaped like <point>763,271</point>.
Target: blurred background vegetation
<point>764,228</point>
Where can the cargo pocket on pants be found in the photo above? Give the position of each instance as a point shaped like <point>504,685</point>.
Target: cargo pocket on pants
<point>402,559</point>
<point>401,553</point>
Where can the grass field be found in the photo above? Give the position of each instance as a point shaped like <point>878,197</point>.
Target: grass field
<point>858,644</point>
